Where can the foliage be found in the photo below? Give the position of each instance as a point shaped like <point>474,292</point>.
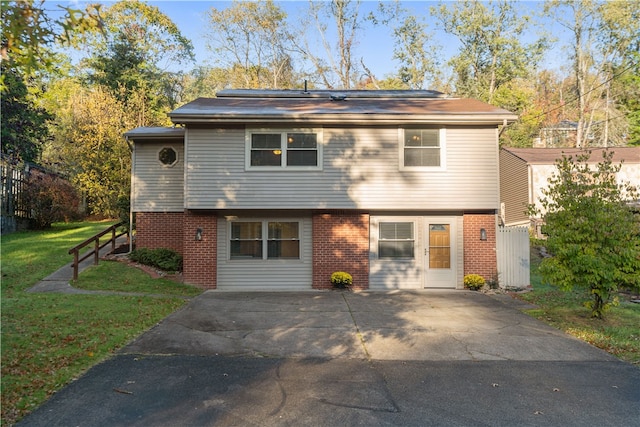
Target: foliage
<point>29,33</point>
<point>474,282</point>
<point>604,42</point>
<point>334,65</point>
<point>618,334</point>
<point>252,41</point>
<point>24,124</point>
<point>130,58</point>
<point>341,279</point>
<point>162,258</point>
<point>492,52</point>
<point>51,199</point>
<point>413,48</point>
<point>89,144</point>
<point>592,234</point>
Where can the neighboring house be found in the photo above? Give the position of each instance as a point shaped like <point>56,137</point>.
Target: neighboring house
<point>524,174</point>
<point>278,189</point>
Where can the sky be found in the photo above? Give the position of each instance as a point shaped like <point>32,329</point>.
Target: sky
<point>375,46</point>
<point>375,43</point>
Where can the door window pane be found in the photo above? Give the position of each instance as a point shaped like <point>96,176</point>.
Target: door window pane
<point>439,246</point>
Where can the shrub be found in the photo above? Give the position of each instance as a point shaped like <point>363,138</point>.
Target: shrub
<point>50,199</point>
<point>162,258</point>
<point>473,281</point>
<point>340,279</point>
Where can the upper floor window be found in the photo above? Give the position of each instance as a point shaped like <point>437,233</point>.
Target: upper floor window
<point>295,149</point>
<point>422,148</point>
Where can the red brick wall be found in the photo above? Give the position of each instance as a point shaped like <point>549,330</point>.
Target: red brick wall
<point>159,230</point>
<point>480,255</point>
<point>340,243</point>
<point>200,256</point>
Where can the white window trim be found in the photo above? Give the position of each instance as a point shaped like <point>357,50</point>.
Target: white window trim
<point>442,139</point>
<point>375,238</point>
<point>265,241</point>
<point>283,146</point>
<point>166,165</point>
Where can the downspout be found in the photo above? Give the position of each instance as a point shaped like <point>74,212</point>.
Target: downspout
<point>133,163</point>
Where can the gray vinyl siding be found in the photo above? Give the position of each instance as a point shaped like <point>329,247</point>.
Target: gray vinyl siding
<point>514,188</point>
<point>154,186</point>
<point>409,273</point>
<point>360,170</point>
<point>264,274</point>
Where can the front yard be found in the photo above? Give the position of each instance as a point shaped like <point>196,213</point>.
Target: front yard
<point>618,333</point>
<point>51,339</point>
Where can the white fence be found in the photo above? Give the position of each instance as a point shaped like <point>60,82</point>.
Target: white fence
<point>513,257</point>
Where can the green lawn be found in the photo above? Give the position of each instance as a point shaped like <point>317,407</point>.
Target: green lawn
<point>618,333</point>
<point>50,339</point>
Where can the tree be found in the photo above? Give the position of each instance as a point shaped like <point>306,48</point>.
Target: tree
<point>492,53</point>
<point>336,67</point>
<point>29,34</point>
<point>604,46</point>
<point>130,56</point>
<point>592,234</point>
<point>414,48</point>
<point>251,41</point>
<point>24,125</point>
<point>89,145</point>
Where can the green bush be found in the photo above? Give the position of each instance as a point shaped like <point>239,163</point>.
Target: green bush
<point>474,281</point>
<point>162,258</point>
<point>340,279</point>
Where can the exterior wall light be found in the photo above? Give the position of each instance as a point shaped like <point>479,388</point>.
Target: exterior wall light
<point>483,234</point>
<point>198,234</point>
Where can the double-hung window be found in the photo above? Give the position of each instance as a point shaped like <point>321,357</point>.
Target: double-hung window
<point>396,240</point>
<point>422,148</point>
<point>274,149</point>
<point>265,240</point>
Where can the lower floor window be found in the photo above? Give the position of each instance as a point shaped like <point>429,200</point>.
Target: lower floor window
<point>265,240</point>
<point>396,240</point>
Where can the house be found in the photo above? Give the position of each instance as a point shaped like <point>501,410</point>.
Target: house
<point>524,174</point>
<point>276,190</point>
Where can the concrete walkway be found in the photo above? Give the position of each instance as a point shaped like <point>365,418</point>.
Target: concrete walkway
<point>431,358</point>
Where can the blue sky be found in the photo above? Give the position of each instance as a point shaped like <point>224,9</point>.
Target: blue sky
<point>376,43</point>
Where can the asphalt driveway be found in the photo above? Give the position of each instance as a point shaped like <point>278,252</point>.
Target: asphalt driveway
<point>339,358</point>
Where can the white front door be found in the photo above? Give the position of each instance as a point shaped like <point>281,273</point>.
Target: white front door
<point>440,252</point>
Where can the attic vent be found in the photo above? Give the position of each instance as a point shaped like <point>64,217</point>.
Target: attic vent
<point>340,97</point>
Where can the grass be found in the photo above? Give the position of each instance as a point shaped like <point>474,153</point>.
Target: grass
<point>618,333</point>
<point>50,339</point>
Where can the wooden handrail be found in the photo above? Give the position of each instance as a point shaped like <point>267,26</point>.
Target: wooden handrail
<point>96,248</point>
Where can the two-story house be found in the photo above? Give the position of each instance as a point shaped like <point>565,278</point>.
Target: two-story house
<point>278,189</point>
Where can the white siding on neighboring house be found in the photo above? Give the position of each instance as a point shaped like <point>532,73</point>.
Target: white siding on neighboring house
<point>540,174</point>
<point>274,275</point>
<point>360,170</point>
<point>156,187</point>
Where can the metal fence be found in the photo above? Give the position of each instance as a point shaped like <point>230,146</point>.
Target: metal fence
<point>513,257</point>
